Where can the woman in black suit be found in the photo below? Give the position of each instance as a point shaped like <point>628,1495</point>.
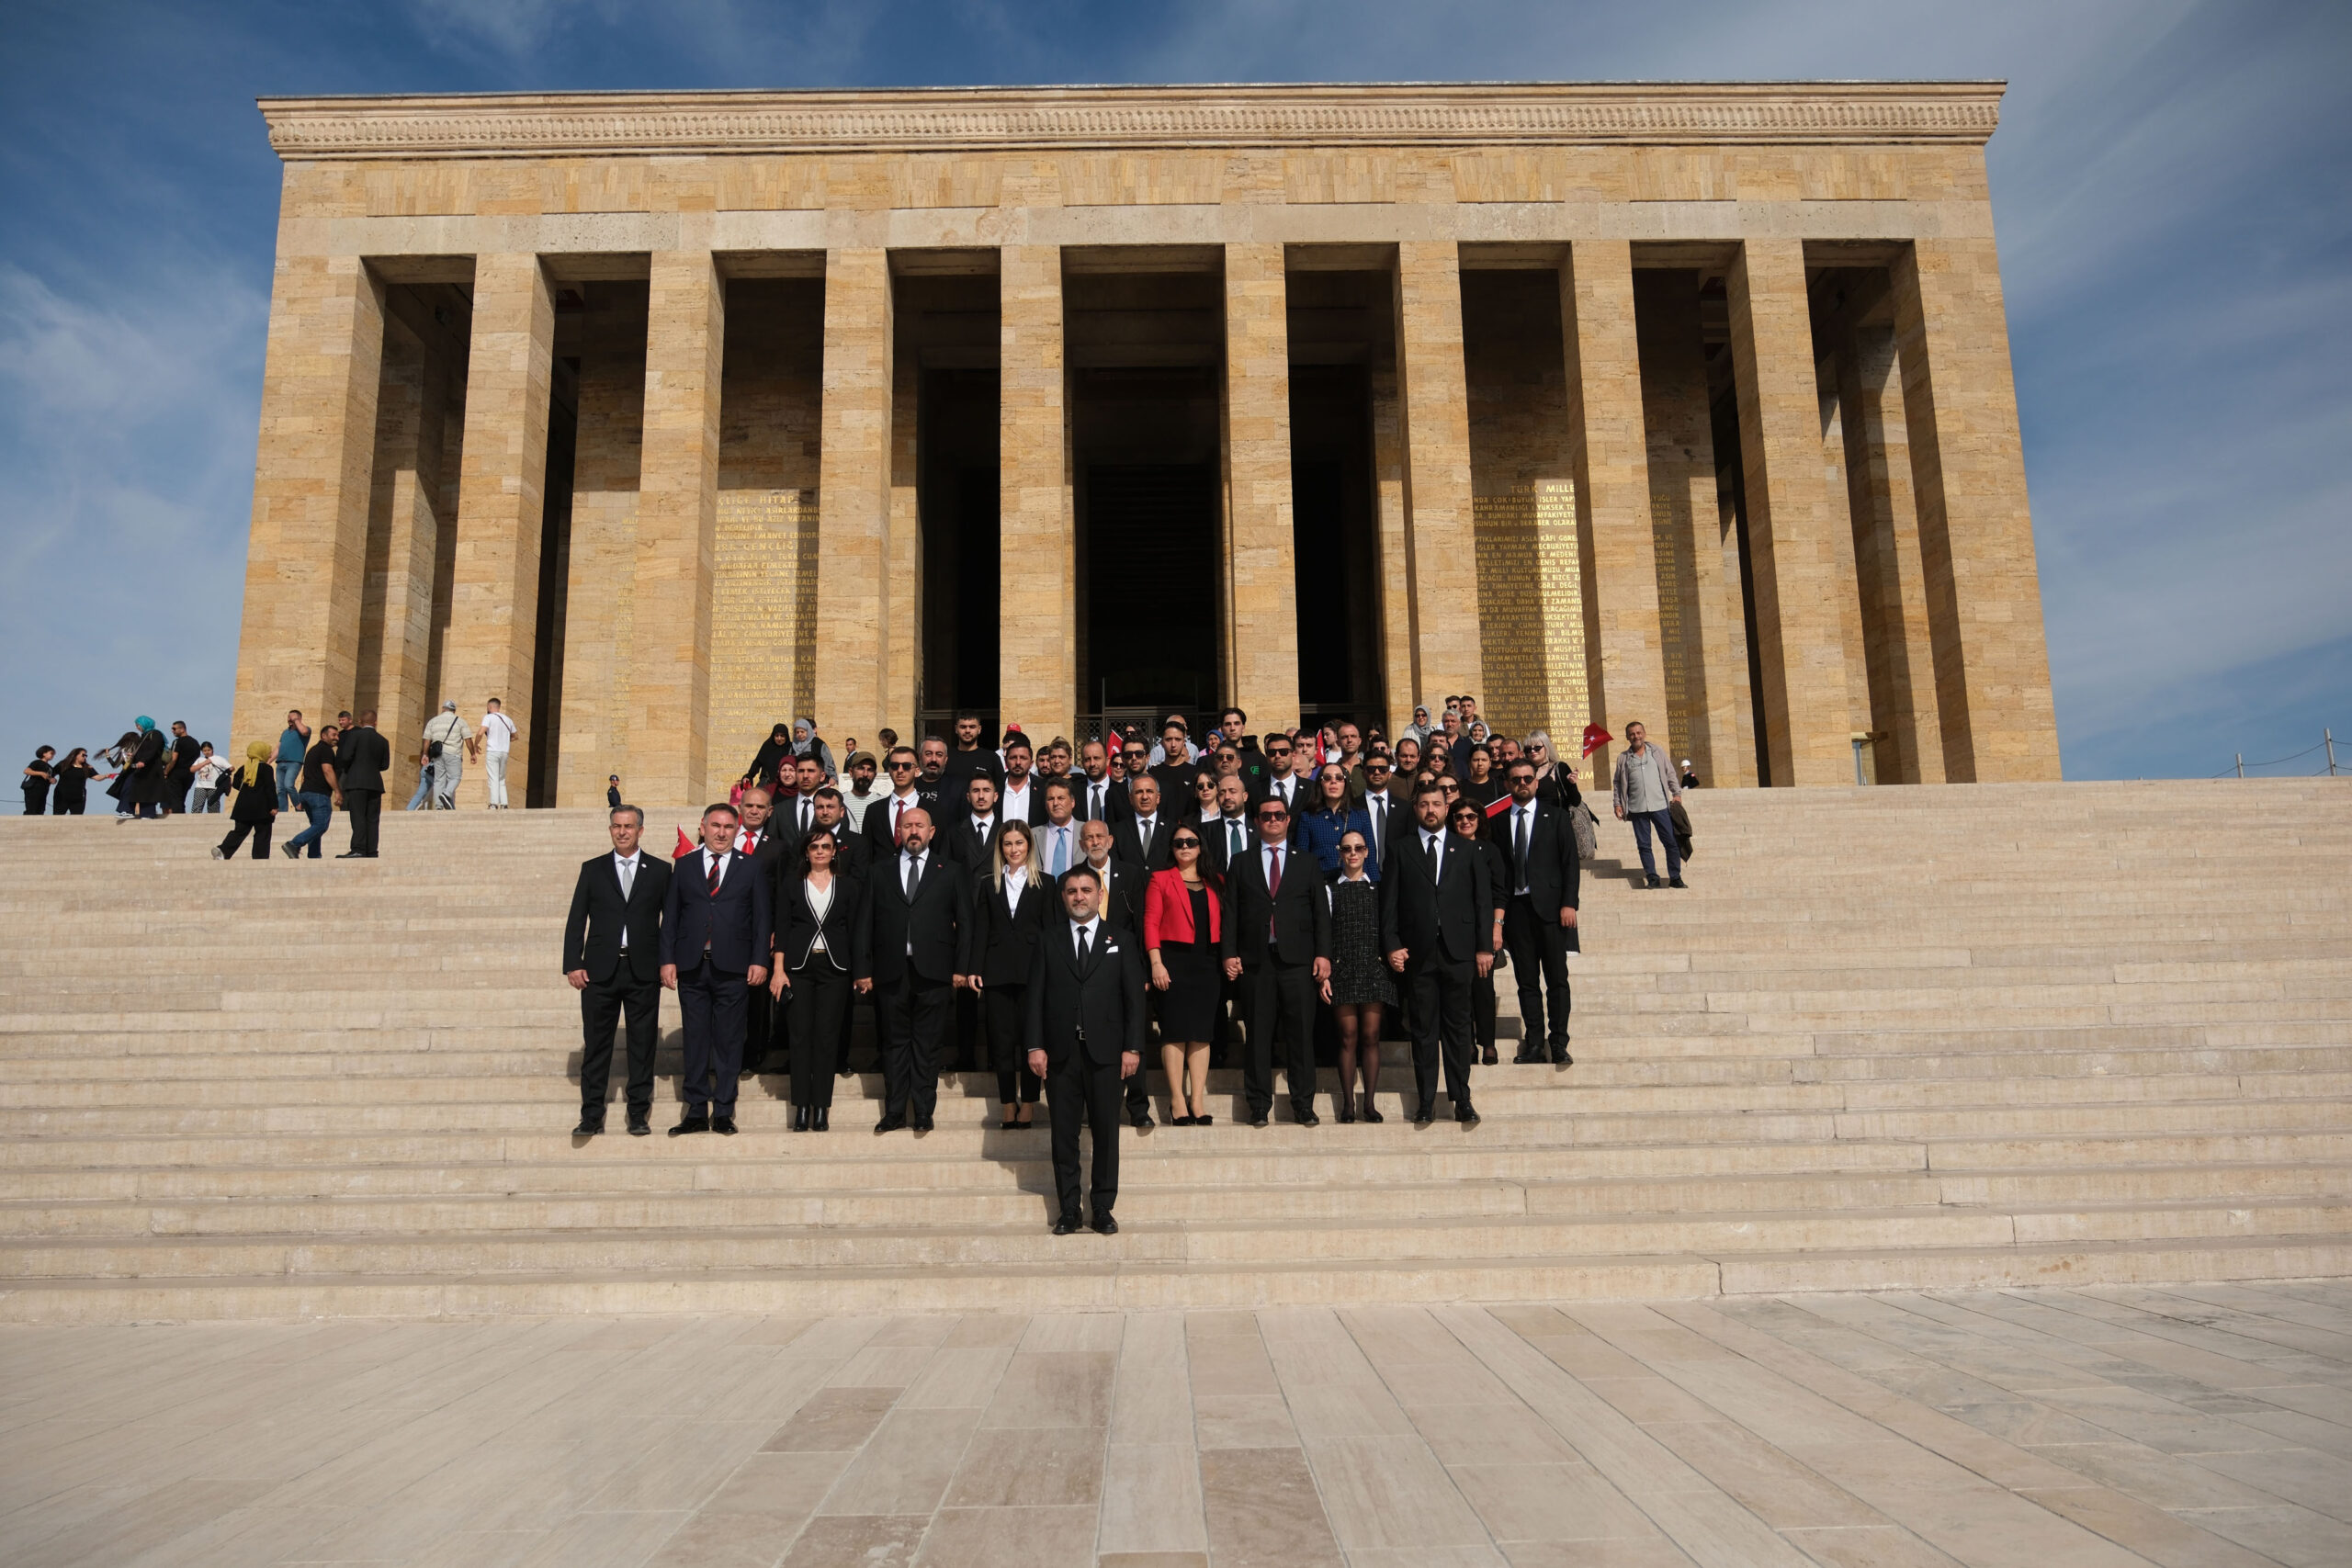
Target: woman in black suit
<point>816,913</point>
<point>1010,908</point>
<point>1469,820</point>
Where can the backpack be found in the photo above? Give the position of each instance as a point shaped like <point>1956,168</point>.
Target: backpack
<point>1588,841</point>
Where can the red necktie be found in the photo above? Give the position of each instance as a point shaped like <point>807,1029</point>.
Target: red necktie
<point>1273,886</point>
<point>717,865</point>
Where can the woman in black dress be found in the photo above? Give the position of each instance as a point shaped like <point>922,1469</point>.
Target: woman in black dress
<point>1008,916</point>
<point>1184,922</point>
<point>1470,822</point>
<point>1359,986</point>
<point>40,774</point>
<point>74,776</point>
<point>257,808</point>
<point>818,912</point>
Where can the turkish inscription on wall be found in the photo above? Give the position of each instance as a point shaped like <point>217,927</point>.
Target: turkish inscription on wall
<point>1533,641</point>
<point>762,620</point>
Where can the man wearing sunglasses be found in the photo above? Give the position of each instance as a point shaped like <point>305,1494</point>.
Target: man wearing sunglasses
<point>883,818</point>
<point>1436,909</point>
<point>1538,843</point>
<point>1277,945</point>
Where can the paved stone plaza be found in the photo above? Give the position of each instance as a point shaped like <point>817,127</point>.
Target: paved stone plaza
<point>2208,1425</point>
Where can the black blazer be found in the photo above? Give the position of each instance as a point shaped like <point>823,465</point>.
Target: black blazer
<point>1123,895</point>
<point>964,847</point>
<point>1301,792</point>
<point>776,850</point>
<point>933,925</point>
<point>591,932</point>
<point>797,924</point>
<point>1215,851</point>
<point>1099,1008</point>
<point>1300,914</point>
<point>1553,869</point>
<point>256,802</point>
<point>1115,804</point>
<point>999,943</point>
<point>1128,845</point>
<point>360,759</point>
<point>1036,812</point>
<point>1452,914</point>
<point>737,924</point>
<point>876,829</point>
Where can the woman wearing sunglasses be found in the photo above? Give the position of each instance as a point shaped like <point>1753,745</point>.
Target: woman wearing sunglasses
<point>1467,818</point>
<point>1360,986</point>
<point>1183,924</point>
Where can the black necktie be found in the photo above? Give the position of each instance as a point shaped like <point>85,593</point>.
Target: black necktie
<point>1519,845</point>
<point>1081,946</point>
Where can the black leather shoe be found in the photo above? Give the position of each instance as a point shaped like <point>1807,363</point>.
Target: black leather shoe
<point>640,1127</point>
<point>690,1124</point>
<point>725,1124</point>
<point>1560,1057</point>
<point>1488,1059</point>
<point>1678,882</point>
<point>1652,883</point>
<point>1424,1113</point>
<point>799,1118</point>
<point>1528,1059</point>
<point>1067,1225</point>
<point>1142,1122</point>
<point>1343,1112</point>
<point>1258,1119</point>
<point>823,1120</point>
<point>1105,1226</point>
<point>889,1123</point>
<point>589,1127</point>
<point>351,854</point>
<point>1465,1115</point>
<point>1371,1115</point>
<point>1308,1119</point>
<point>921,1125</point>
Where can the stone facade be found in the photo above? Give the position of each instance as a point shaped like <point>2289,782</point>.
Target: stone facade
<point>1683,404</point>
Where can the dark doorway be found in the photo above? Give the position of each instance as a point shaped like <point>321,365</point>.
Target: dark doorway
<point>1333,540</point>
<point>947,320</point>
<point>1150,555</point>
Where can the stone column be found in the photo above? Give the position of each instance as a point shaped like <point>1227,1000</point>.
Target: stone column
<point>1611,460</point>
<point>1800,653</point>
<point>1975,530</point>
<point>1036,681</point>
<point>1845,590</point>
<point>306,555</point>
<point>1685,515</point>
<point>1886,557</point>
<point>1262,583</point>
<point>600,593</point>
<point>857,624</point>
<point>1397,663</point>
<point>501,510</point>
<point>677,517</point>
<point>1440,546</point>
<point>403,541</point>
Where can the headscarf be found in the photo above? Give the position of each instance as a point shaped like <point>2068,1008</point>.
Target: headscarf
<point>257,761</point>
<point>144,723</point>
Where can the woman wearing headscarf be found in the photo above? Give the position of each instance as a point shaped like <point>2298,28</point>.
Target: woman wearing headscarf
<point>143,772</point>
<point>775,754</point>
<point>806,743</point>
<point>257,808</point>
<point>1420,730</point>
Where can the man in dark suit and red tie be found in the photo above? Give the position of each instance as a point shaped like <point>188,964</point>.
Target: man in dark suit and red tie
<point>1085,1035</point>
<point>714,945</point>
<point>612,956</point>
<point>1277,947</point>
<point>1437,926</point>
<point>911,951</point>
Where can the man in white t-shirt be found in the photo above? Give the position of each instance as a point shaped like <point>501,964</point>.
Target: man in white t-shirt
<point>447,738</point>
<point>497,741</point>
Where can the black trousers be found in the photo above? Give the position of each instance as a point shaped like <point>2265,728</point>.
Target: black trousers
<point>817,1003</point>
<point>1441,989</point>
<point>1080,1089</point>
<point>764,1029</point>
<point>1007,1009</point>
<point>260,830</point>
<point>915,1013</point>
<point>1482,1011</point>
<point>602,1006</point>
<point>1538,951</point>
<point>366,809</point>
<point>1278,998</point>
<point>712,1003</point>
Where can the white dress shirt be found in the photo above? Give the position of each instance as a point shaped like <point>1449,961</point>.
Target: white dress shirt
<point>1098,800</point>
<point>1087,930</point>
<point>1059,844</point>
<point>625,867</point>
<point>1523,839</point>
<point>1015,878</point>
<point>1014,801</point>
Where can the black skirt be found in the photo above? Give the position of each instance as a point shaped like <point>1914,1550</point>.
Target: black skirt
<point>1196,989</point>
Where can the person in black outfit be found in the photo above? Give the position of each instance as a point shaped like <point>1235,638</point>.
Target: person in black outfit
<point>1539,846</point>
<point>1277,944</point>
<point>769,853</point>
<point>912,949</point>
<point>612,956</point>
<point>1470,821</point>
<point>715,947</point>
<point>1085,1033</point>
<point>774,757</point>
<point>1009,905</point>
<point>819,911</point>
<point>1437,922</point>
<point>1122,904</point>
<point>360,759</point>
<point>970,759</point>
<point>142,770</point>
<point>180,774</point>
<point>1141,837</point>
<point>74,776</point>
<point>40,774</point>
<point>257,808</point>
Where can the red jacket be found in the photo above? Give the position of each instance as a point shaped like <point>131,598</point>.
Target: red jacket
<point>1167,911</point>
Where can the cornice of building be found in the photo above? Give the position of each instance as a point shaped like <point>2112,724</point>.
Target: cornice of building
<point>1156,118</point>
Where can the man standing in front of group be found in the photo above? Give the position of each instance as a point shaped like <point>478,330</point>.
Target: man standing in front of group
<point>1437,919</point>
<point>1085,1035</point>
<point>714,945</point>
<point>612,956</point>
<point>1539,846</point>
<point>1646,786</point>
<point>910,950</point>
<point>497,743</point>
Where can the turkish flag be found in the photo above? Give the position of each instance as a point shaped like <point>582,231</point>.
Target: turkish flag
<point>685,846</point>
<point>1594,738</point>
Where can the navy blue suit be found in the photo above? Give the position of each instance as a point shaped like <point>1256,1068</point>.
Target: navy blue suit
<point>714,940</point>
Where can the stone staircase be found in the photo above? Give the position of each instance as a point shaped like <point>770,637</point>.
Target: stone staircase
<point>1902,1038</point>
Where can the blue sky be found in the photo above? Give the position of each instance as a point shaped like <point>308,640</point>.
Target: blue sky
<point>2172,183</point>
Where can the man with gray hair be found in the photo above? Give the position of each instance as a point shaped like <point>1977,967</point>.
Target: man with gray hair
<point>446,738</point>
<point>612,956</point>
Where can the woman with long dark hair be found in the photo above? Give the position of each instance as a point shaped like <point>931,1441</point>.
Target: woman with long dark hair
<point>1182,925</point>
<point>816,916</point>
<point>1327,818</point>
<point>1009,913</point>
<point>74,776</point>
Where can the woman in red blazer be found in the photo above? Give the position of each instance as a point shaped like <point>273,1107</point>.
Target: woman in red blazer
<point>1183,924</point>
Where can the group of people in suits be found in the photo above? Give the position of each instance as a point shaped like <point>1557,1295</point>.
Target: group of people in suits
<point>1059,917</point>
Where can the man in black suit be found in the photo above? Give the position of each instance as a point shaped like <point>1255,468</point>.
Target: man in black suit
<point>612,956</point>
<point>1282,778</point>
<point>1230,833</point>
<point>716,930</point>
<point>1085,1037</point>
<point>1122,905</point>
<point>1278,946</point>
<point>767,850</point>
<point>829,817</point>
<point>1021,796</point>
<point>360,759</point>
<point>1437,913</point>
<point>1539,845</point>
<point>1142,838</point>
<point>971,834</point>
<point>880,829</point>
<point>1101,794</point>
<point>912,948</point>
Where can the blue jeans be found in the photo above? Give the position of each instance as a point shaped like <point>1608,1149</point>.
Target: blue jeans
<point>288,775</point>
<point>424,787</point>
<point>320,808</point>
<point>1642,822</point>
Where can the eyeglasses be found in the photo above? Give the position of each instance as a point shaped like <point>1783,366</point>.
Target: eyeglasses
<point>1353,850</point>
<point>902,767</point>
<point>1277,751</point>
<point>1274,816</point>
<point>1183,843</point>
